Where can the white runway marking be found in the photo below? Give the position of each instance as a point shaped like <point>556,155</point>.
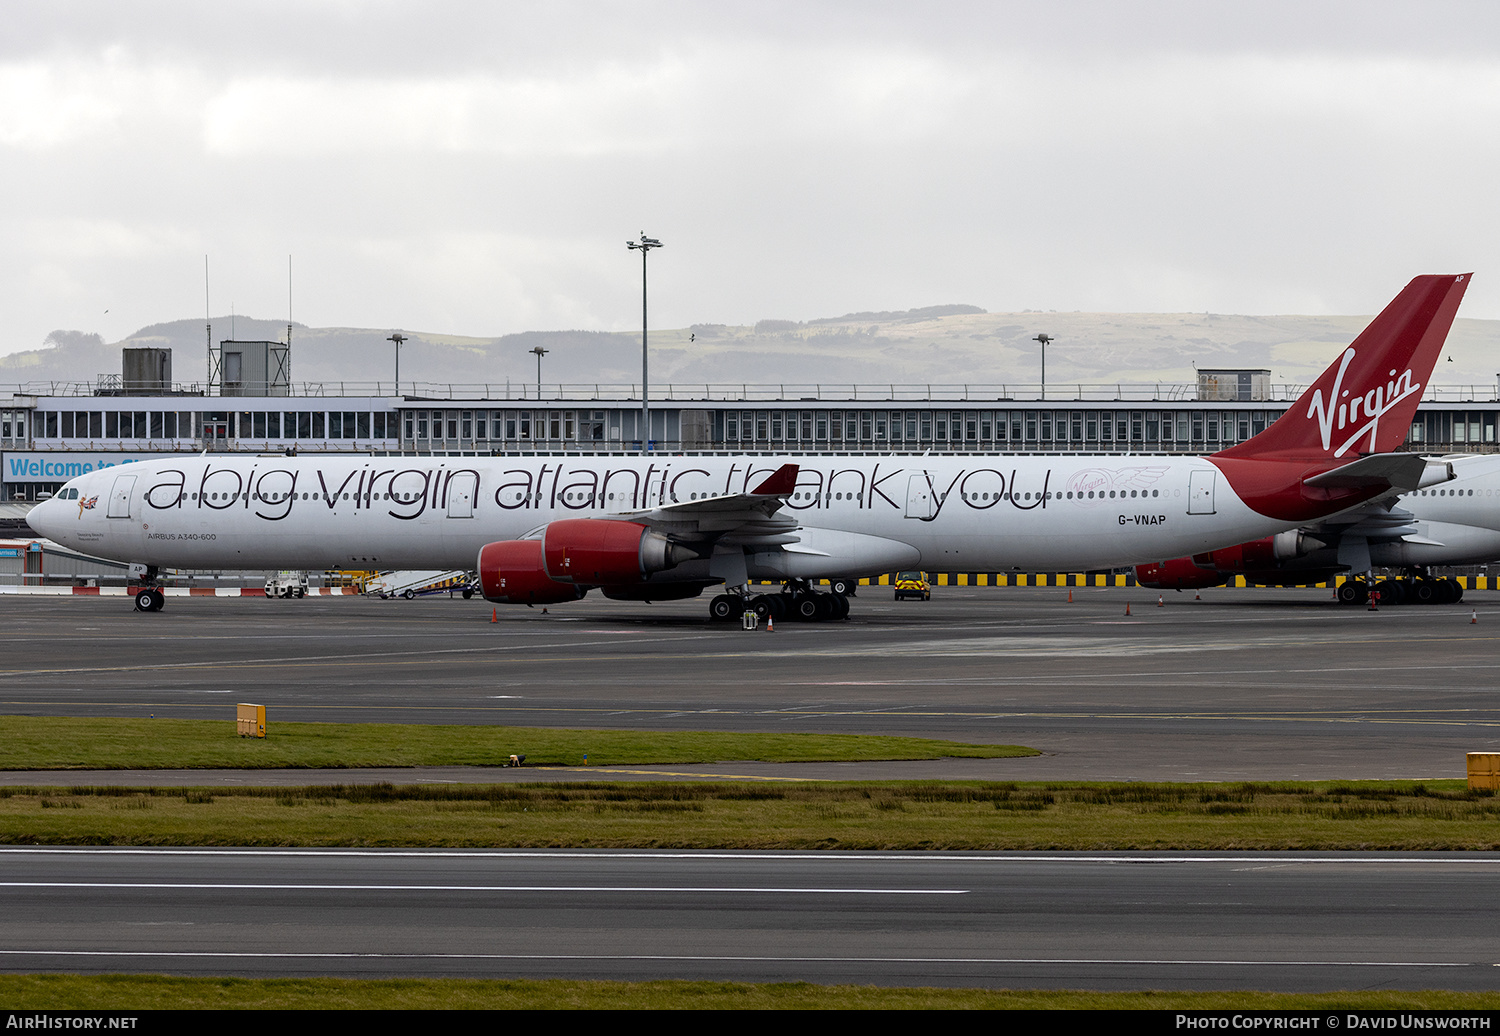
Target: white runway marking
<point>728,959</point>
<point>316,887</point>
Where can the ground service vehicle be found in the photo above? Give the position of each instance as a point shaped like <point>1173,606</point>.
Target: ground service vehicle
<point>546,530</point>
<point>287,583</point>
<point>913,586</point>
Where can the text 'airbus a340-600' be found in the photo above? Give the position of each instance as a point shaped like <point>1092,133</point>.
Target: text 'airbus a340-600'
<point>545,530</point>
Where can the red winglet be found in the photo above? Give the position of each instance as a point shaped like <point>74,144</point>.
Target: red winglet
<point>782,481</point>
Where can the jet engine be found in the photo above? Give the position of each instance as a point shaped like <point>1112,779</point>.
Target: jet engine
<point>1273,559</point>
<point>598,552</point>
<point>511,572</point>
<point>1177,574</point>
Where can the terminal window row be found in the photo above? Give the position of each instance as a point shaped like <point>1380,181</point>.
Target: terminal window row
<point>1475,427</point>
<point>994,426</point>
<point>223,424</point>
<point>512,425</point>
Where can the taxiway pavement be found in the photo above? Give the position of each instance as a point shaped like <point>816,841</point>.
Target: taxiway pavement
<point>1243,684</point>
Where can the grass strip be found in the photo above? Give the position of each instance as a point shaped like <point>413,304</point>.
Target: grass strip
<point>76,743</point>
<point>162,993</point>
<point>935,815</point>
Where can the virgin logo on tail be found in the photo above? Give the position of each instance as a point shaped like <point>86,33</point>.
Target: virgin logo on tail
<point>1374,404</point>
<point>1363,402</point>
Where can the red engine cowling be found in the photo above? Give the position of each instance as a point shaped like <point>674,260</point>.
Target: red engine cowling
<point>1177,574</point>
<point>598,552</point>
<point>511,572</point>
<point>1242,557</point>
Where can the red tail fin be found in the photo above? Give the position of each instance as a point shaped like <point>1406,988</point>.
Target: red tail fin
<point>1364,401</point>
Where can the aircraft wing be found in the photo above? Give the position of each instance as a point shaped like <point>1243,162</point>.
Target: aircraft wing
<point>739,519</point>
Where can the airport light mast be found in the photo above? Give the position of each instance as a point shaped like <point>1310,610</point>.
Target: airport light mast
<point>645,244</point>
<point>1044,339</point>
<point>540,352</point>
<point>398,338</point>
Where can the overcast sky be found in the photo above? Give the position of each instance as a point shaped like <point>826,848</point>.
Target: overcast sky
<point>476,167</point>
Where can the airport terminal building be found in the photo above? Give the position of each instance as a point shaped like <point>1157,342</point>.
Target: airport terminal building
<point>47,439</point>
<point>51,433</point>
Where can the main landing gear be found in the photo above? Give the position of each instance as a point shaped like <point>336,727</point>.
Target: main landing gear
<point>1415,588</point>
<point>799,601</point>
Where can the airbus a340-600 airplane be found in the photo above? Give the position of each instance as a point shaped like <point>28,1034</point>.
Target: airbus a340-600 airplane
<point>549,529</point>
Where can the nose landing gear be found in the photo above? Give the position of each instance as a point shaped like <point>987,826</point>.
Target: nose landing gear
<point>149,598</point>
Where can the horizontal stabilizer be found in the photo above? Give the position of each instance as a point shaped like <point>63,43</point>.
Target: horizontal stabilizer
<point>1378,471</point>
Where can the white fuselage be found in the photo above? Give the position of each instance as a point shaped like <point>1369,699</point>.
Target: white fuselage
<point>1458,520</point>
<point>958,513</point>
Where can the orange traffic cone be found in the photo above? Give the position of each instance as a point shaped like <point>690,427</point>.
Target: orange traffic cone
<point>770,624</point>
<point>1127,607</point>
<point>1070,595</point>
<point>1160,601</point>
<point>1474,617</point>
<point>494,614</point>
<point>1197,597</point>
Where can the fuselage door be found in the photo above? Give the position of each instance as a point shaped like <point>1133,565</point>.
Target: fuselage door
<point>119,496</point>
<point>918,497</point>
<point>461,489</point>
<point>1201,492</point>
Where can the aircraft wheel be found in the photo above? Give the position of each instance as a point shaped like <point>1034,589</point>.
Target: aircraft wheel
<point>1391,591</point>
<point>149,599</point>
<point>843,587</point>
<point>1448,591</point>
<point>805,608</point>
<point>722,608</point>
<point>1426,592</point>
<point>1458,592</point>
<point>841,607</point>
<point>1353,591</point>
<point>778,603</point>
<point>762,607</point>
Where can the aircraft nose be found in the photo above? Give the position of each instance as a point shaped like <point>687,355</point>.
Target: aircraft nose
<point>43,518</point>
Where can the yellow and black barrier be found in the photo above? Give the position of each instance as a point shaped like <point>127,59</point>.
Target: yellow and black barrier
<point>1113,579</point>
<point>1106,579</point>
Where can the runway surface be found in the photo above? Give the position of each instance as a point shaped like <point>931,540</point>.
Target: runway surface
<point>1244,684</point>
<point>1290,922</point>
